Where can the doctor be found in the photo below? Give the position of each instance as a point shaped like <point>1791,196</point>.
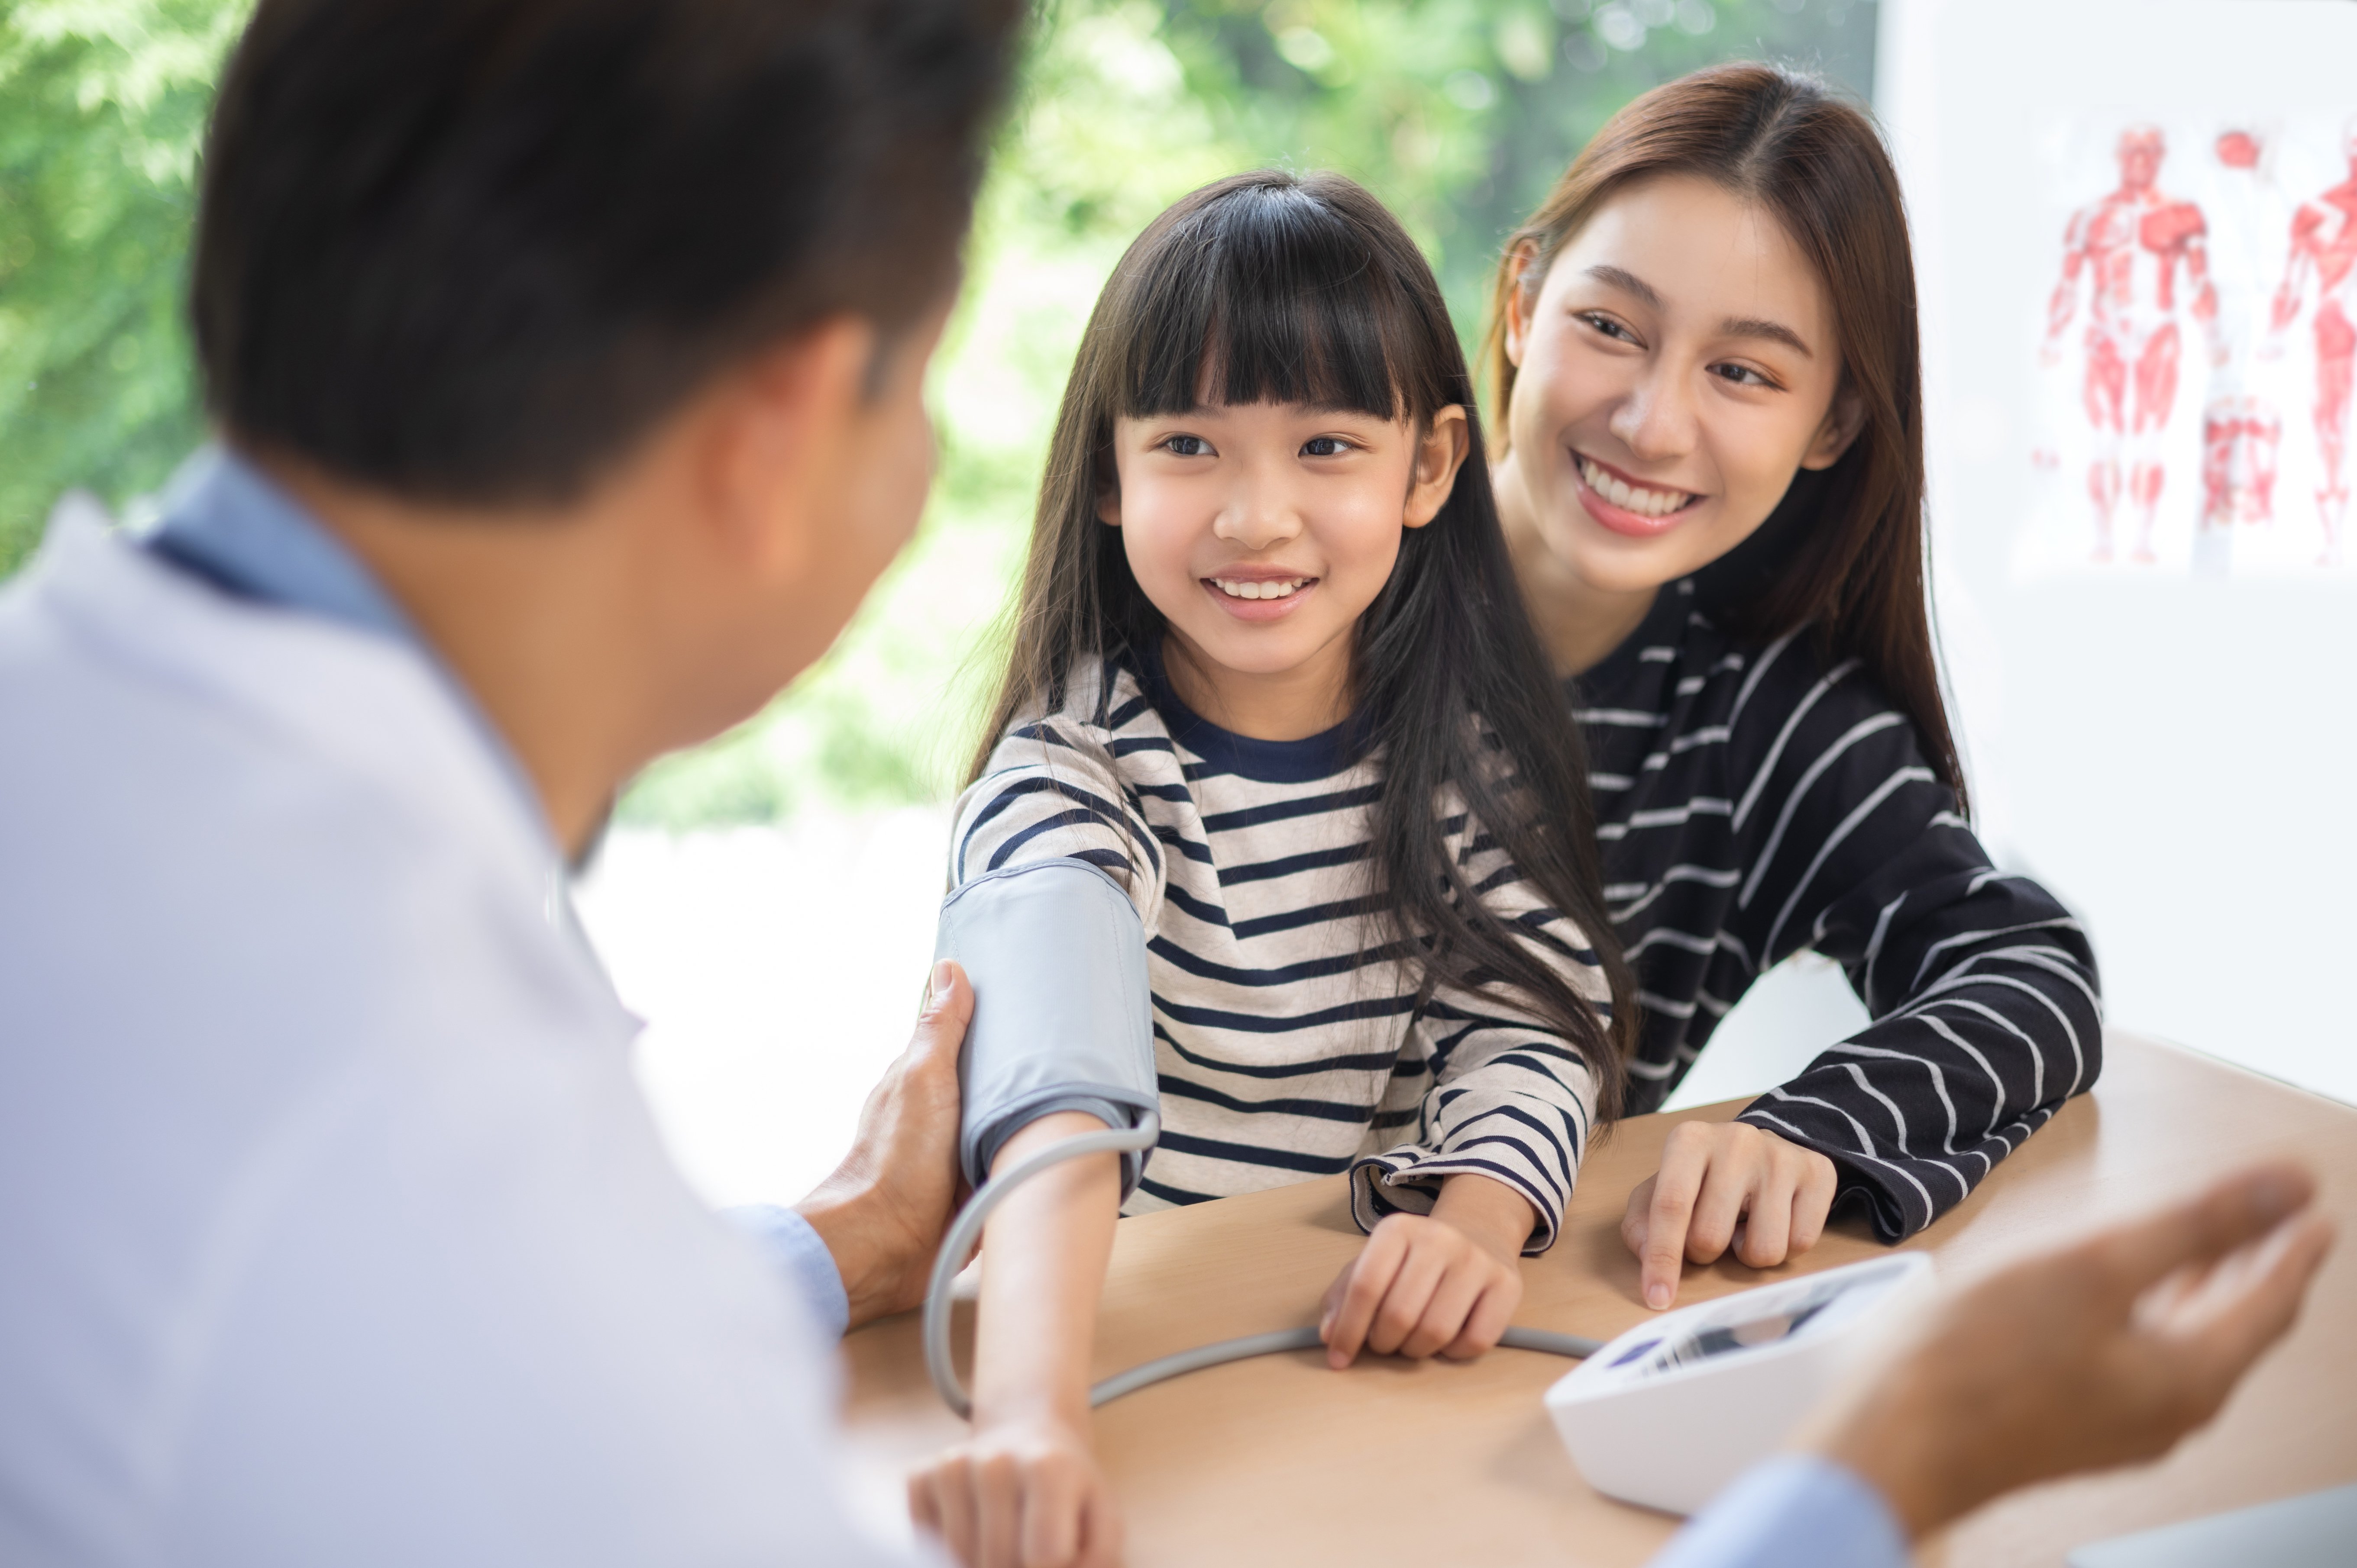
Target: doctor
<point>568,358</point>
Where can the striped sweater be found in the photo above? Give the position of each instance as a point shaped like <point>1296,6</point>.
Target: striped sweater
<point>1754,801</point>
<point>1288,1037</point>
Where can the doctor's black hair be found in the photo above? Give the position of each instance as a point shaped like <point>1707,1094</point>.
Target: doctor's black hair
<point>1272,287</point>
<point>473,250</point>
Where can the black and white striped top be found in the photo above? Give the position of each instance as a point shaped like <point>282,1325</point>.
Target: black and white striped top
<point>1751,802</point>
<point>1287,1034</point>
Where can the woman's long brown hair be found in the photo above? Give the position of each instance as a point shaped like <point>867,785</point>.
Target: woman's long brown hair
<point>1843,552</point>
<point>1302,289</point>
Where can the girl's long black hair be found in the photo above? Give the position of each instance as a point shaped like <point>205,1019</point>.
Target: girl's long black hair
<point>1272,287</point>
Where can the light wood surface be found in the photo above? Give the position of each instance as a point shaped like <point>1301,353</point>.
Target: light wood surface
<point>1279,1461</point>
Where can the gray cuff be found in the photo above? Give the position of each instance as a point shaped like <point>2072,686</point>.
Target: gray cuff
<point>990,1139</point>
<point>1062,1019</point>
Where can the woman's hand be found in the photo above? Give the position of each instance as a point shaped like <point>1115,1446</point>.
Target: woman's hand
<point>1446,1284</point>
<point>1725,1183</point>
<point>1020,1494</point>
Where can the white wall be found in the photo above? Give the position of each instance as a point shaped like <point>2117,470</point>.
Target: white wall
<point>2173,754</point>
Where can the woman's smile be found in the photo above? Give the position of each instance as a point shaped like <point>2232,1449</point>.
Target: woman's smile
<point>1625,504</point>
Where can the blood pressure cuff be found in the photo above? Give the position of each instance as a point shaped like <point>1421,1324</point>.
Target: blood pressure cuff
<point>1062,1020</point>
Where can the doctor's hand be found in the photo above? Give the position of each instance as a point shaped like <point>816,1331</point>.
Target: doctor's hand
<point>2102,1353</point>
<point>1721,1185</point>
<point>1024,1493</point>
<point>882,1213</point>
<point>1444,1283</point>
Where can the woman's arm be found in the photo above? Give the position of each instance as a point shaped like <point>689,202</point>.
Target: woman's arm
<point>1981,985</point>
<point>1024,1491</point>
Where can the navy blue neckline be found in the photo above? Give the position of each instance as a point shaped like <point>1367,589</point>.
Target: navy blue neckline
<point>1303,761</point>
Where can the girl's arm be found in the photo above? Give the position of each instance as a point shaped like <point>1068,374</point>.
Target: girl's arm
<point>1024,1491</point>
<point>1499,1131</point>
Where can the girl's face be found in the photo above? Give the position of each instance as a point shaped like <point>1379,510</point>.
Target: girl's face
<point>1677,367</point>
<point>1263,532</point>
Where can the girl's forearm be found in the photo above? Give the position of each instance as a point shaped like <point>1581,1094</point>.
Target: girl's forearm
<point>1489,1211</point>
<point>1043,1265</point>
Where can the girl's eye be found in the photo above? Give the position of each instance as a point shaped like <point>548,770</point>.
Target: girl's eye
<point>1605,325</point>
<point>1324,447</point>
<point>1187,446</point>
<point>1741,375</point>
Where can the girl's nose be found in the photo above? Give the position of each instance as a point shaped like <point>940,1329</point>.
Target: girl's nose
<point>1257,517</point>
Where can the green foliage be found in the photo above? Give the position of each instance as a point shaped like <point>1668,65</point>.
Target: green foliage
<point>1460,114</point>
<point>101,106</point>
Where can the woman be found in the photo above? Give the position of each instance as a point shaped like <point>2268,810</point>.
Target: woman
<point>1710,469</point>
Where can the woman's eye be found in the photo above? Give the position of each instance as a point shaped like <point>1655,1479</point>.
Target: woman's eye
<point>1324,447</point>
<point>1187,446</point>
<point>1741,375</point>
<point>1608,327</point>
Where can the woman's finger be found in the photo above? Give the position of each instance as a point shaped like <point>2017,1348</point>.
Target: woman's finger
<point>1768,1216</point>
<point>1813,1200</point>
<point>1633,1222</point>
<point>1675,1185</point>
<point>1726,1189</point>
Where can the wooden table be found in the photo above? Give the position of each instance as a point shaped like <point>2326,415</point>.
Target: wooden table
<point>1280,1461</point>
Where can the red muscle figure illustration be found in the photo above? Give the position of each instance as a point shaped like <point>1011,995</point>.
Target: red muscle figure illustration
<point>2131,247</point>
<point>2242,434</point>
<point>2324,243</point>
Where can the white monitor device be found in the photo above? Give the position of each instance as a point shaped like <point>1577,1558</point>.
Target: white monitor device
<point>1671,1410</point>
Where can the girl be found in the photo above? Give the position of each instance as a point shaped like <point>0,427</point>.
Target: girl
<point>1711,475</point>
<point>1271,672</point>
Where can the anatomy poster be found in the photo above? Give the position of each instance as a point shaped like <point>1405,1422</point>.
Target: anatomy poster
<point>2193,346</point>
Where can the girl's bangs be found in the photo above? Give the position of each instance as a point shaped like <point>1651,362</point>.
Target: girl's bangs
<point>1267,295</point>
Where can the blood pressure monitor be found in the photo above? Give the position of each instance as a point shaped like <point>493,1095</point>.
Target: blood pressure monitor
<point>1671,1410</point>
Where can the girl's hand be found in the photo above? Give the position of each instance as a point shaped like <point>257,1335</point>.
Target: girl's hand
<point>1444,1283</point>
<point>1722,1184</point>
<point>1020,1494</point>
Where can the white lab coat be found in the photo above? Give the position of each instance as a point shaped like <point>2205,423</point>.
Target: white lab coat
<point>333,1227</point>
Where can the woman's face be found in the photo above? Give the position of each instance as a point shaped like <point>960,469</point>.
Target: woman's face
<point>1677,367</point>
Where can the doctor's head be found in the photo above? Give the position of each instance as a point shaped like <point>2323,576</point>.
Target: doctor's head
<point>493,254</point>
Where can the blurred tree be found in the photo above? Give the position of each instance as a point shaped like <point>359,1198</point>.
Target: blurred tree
<point>101,105</point>
<point>1460,114</point>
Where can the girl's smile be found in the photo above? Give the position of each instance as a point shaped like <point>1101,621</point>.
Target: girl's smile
<point>1260,593</point>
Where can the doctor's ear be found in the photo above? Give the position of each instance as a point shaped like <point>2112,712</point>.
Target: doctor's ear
<point>1843,422</point>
